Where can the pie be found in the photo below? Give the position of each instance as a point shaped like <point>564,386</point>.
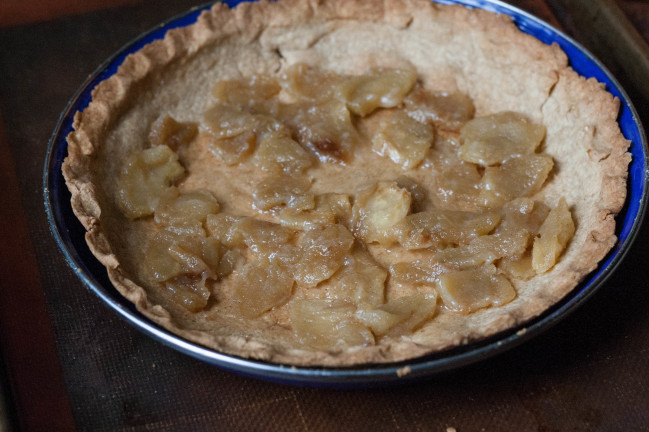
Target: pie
<point>346,182</point>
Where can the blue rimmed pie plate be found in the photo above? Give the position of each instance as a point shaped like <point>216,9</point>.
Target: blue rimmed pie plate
<point>69,233</point>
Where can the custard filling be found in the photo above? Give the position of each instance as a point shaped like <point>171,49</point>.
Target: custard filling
<point>447,220</point>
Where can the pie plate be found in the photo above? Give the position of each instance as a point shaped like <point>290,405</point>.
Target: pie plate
<point>69,233</point>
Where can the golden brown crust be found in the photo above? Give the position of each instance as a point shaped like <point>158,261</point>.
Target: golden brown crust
<point>451,47</point>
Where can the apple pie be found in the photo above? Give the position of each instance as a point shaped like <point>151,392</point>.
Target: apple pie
<point>345,182</point>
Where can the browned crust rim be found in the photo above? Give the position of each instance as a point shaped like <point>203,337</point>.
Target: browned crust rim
<point>248,21</point>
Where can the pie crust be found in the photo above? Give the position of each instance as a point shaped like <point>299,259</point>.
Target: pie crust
<point>452,48</point>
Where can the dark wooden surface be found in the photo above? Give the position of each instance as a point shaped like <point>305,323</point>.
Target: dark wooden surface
<point>71,363</point>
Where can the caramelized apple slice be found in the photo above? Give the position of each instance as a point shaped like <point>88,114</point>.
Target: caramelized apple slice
<point>469,290</point>
<point>445,110</point>
<point>281,154</point>
<point>518,176</point>
<point>403,139</point>
<point>261,286</point>
<point>424,271</point>
<point>183,264</point>
<point>326,128</point>
<point>485,250</point>
<point>379,88</point>
<point>146,176</point>
<point>262,237</point>
<point>444,154</point>
<point>169,255</point>
<point>336,203</point>
<point>303,220</point>
<point>188,291</point>
<point>322,253</point>
<point>377,209</point>
<point>305,83</point>
<point>231,259</point>
<point>524,213</point>
<point>254,93</point>
<point>328,324</point>
<point>518,268</point>
<point>287,255</point>
<point>458,187</point>
<point>167,131</point>
<point>378,320</point>
<point>495,138</point>
<point>438,227</point>
<point>223,227</point>
<point>361,280</point>
<point>418,194</point>
<point>555,233</point>
<point>400,316</point>
<point>227,121</point>
<point>186,212</point>
<point>283,191</point>
<point>212,252</point>
<point>233,149</point>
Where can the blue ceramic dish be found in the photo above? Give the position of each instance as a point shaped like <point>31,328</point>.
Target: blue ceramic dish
<point>69,233</point>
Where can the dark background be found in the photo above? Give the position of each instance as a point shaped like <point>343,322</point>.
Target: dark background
<point>72,363</point>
